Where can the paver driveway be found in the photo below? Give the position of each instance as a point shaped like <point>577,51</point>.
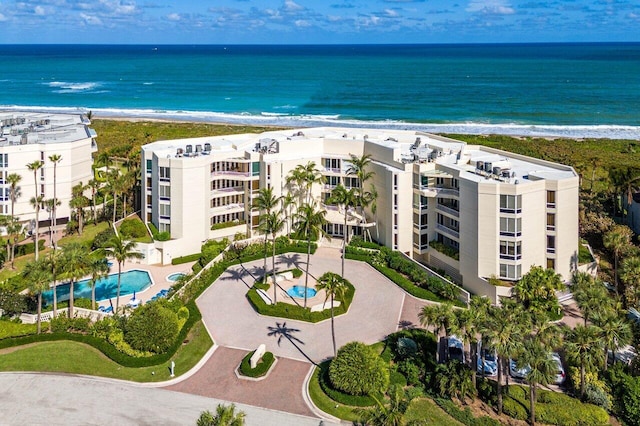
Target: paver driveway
<point>374,312</point>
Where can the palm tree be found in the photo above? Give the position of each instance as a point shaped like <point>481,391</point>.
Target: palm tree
<point>265,202</point>
<point>34,167</point>
<point>591,296</point>
<point>55,159</point>
<point>468,323</point>
<point>358,167</point>
<point>75,265</point>
<point>94,185</point>
<point>14,190</point>
<point>441,317</point>
<point>630,275</point>
<point>616,240</point>
<point>309,221</point>
<point>39,277</point>
<point>334,286</point>
<point>225,415</point>
<point>273,224</point>
<point>54,265</point>
<point>340,195</point>
<point>14,229</point>
<point>584,346</point>
<point>615,333</point>
<point>98,268</point>
<point>542,369</point>
<point>303,177</point>
<point>390,414</point>
<point>36,203</point>
<point>121,250</point>
<point>79,202</point>
<point>503,330</point>
<point>288,201</point>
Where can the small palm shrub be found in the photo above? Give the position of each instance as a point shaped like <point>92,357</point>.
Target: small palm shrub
<point>358,370</point>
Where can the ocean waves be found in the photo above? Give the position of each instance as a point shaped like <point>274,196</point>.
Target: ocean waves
<point>78,87</point>
<point>306,120</point>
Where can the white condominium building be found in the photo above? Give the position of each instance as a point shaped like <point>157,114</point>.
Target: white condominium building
<point>474,212</point>
<point>26,137</point>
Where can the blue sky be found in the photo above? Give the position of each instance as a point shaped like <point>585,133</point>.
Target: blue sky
<point>316,21</point>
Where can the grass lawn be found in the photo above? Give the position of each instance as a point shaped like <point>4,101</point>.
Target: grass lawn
<point>326,404</point>
<point>426,412</point>
<point>11,329</point>
<point>89,232</point>
<point>78,358</point>
<point>7,272</point>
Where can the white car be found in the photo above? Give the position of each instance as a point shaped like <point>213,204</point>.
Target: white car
<point>455,348</point>
<point>490,361</point>
<point>521,373</point>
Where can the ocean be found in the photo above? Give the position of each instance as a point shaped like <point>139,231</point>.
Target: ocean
<point>572,90</point>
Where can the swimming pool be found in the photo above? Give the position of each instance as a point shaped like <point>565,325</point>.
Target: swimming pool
<point>175,276</point>
<point>297,291</point>
<point>131,281</point>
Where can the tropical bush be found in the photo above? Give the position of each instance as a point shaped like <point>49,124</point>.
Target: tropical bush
<point>337,395</point>
<point>132,228</point>
<point>626,389</point>
<point>262,367</point>
<point>358,241</point>
<point>62,323</point>
<point>452,379</point>
<point>12,303</point>
<point>102,237</point>
<point>152,327</point>
<point>445,249</point>
<point>358,370</point>
<point>28,248</point>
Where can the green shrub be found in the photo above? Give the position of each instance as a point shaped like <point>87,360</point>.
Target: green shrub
<point>224,225</point>
<point>132,228</point>
<point>185,259</point>
<point>358,370</point>
<point>262,367</point>
<point>12,302</point>
<point>515,409</point>
<point>152,328</point>
<point>406,347</point>
<point>445,249</point>
<point>101,238</point>
<point>465,417</point>
<point>397,379</point>
<point>28,248</point>
<point>157,235</point>
<point>338,396</point>
<point>71,325</point>
<point>358,241</point>
<point>411,371</point>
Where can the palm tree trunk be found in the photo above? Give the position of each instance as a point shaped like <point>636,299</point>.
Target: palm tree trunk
<point>505,368</point>
<point>39,311</point>
<point>93,207</point>
<point>55,297</point>
<point>273,264</point>
<point>474,359</point>
<point>37,229</point>
<point>80,214</point>
<point>93,296</point>
<point>333,329</point>
<point>115,204</point>
<point>306,274</point>
<point>582,379</point>
<point>344,239</point>
<point>264,270</point>
<point>71,298</point>
<point>55,206</point>
<point>532,404</point>
<point>118,289</point>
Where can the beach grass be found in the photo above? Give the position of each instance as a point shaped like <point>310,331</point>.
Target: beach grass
<point>78,358</point>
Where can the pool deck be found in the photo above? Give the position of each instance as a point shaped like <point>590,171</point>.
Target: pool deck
<point>159,274</point>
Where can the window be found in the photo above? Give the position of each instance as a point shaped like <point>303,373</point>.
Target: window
<point>165,192</point>
<point>420,201</point>
<point>255,169</point>
<point>165,174</point>
<point>551,264</point>
<point>511,226</point>
<point>4,160</point>
<point>42,189</point>
<point>510,203</point>
<point>149,200</point>
<point>149,166</point>
<point>439,181</point>
<point>332,164</point>
<point>455,183</point>
<point>551,199</point>
<point>511,250</point>
<point>551,222</point>
<point>351,182</point>
<point>510,272</point>
<point>165,211</point>
<point>149,184</point>
<point>42,156</point>
<point>164,227</point>
<point>395,201</point>
<point>42,173</point>
<point>332,181</point>
<point>551,244</point>
<point>395,181</point>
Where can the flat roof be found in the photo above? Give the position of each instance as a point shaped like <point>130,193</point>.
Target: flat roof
<point>22,128</point>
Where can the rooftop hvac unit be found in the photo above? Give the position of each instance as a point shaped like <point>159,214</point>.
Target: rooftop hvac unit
<point>198,149</point>
<point>179,152</point>
<point>24,139</point>
<point>189,149</point>
<point>207,147</point>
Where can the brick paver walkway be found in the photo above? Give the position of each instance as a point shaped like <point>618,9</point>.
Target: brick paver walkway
<point>282,390</point>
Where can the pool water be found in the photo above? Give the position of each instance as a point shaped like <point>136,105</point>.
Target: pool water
<point>297,291</point>
<point>106,288</point>
<point>175,276</point>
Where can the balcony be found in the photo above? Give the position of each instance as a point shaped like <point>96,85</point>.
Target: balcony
<point>229,208</point>
<point>448,231</point>
<point>433,192</point>
<point>234,190</point>
<point>448,210</point>
<point>420,229</point>
<point>230,173</point>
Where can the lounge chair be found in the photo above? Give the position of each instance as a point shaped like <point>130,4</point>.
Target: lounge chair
<point>108,310</point>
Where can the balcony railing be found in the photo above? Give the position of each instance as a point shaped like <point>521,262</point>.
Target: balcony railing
<point>448,231</point>
<point>229,208</point>
<point>230,173</point>
<point>449,210</point>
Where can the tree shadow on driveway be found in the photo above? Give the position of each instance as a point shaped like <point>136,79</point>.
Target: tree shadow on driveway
<point>238,274</point>
<point>282,331</point>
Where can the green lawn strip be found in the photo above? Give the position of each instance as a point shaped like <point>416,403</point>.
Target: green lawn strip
<point>12,329</point>
<point>79,358</point>
<point>89,233</point>
<point>425,411</point>
<point>326,404</point>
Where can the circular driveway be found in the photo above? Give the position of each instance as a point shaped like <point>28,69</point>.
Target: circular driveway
<point>374,313</point>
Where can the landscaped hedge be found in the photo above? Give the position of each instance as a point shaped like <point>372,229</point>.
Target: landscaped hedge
<point>336,395</point>
<point>185,259</point>
<point>553,408</point>
<point>28,248</point>
<point>287,310</point>
<point>262,367</point>
<point>109,350</point>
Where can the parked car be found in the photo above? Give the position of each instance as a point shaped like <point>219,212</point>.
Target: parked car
<point>490,361</point>
<point>455,348</point>
<point>521,373</point>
